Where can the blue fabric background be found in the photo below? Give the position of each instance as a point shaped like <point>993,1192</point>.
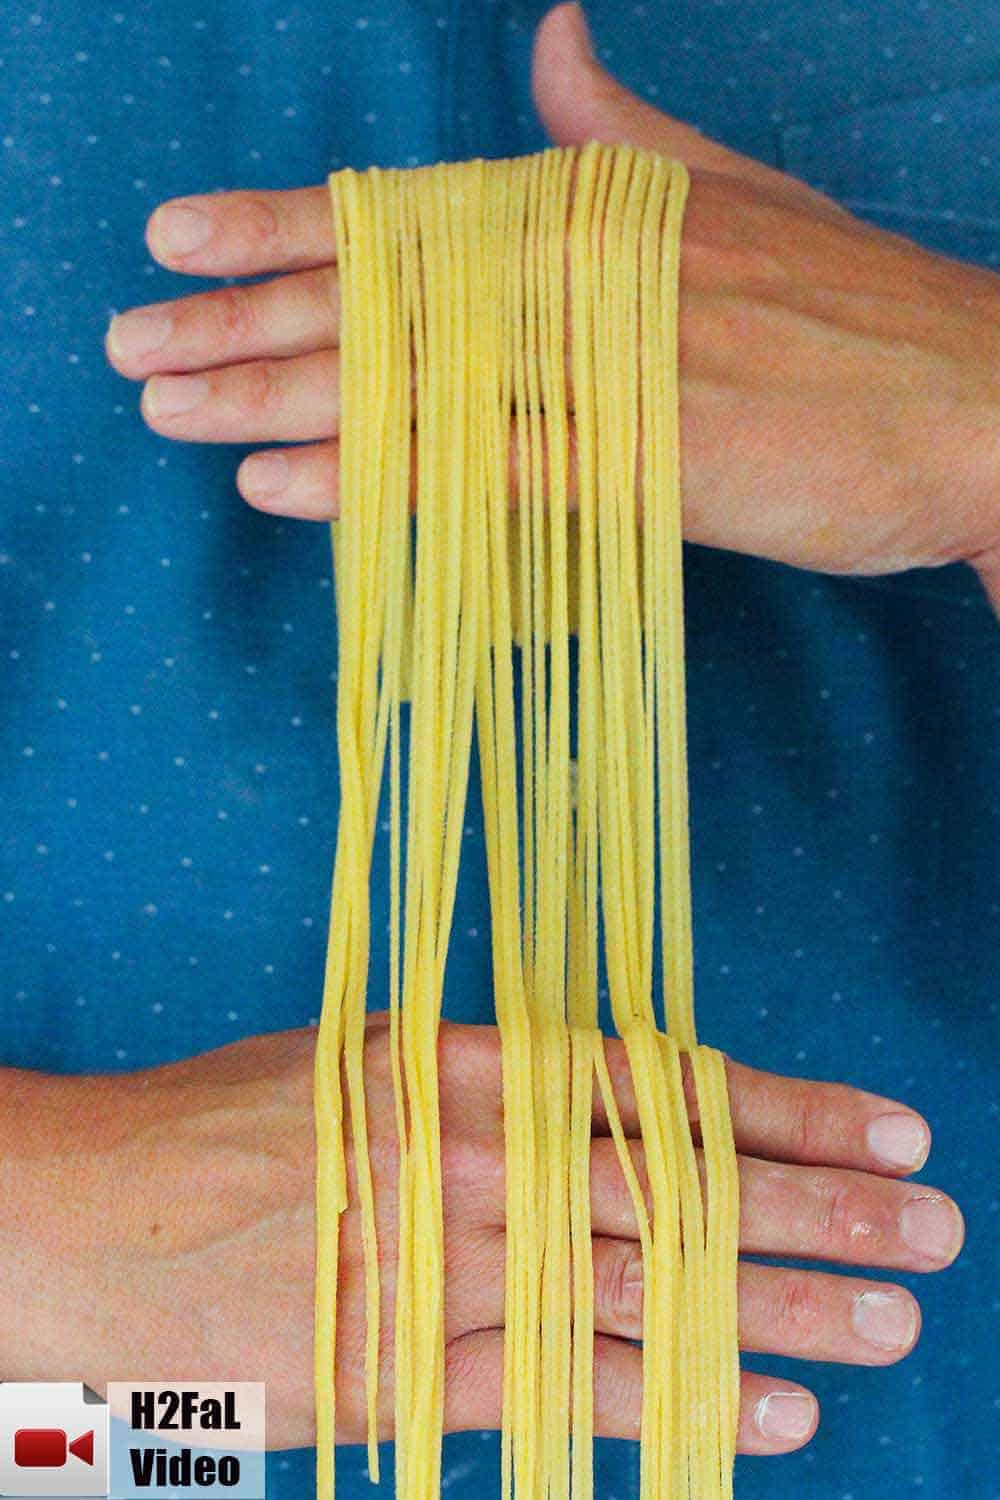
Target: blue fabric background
<point>167,655</point>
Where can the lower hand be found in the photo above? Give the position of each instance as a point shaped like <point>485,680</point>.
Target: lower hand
<point>172,1212</point>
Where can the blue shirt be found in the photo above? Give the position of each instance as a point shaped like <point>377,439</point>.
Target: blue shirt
<point>167,655</point>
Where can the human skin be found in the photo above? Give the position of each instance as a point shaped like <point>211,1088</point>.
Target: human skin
<point>162,1221</point>
<point>839,385</point>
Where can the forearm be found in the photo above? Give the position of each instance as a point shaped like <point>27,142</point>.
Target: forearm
<point>68,1224</point>
<point>159,1223</point>
<point>48,1190</point>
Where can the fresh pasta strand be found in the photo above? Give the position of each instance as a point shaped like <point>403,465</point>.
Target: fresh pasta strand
<point>484,300</point>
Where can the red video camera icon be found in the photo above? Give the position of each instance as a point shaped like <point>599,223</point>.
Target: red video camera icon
<point>47,1447</point>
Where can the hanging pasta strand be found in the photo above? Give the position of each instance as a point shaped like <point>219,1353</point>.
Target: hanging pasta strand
<point>362,718</point>
<point>500,268</point>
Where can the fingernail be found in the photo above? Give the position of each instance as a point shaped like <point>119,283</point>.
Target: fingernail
<point>932,1227</point>
<point>170,395</point>
<point>132,334</point>
<point>899,1140</point>
<point>178,229</point>
<point>264,473</point>
<point>786,1414</point>
<point>886,1319</point>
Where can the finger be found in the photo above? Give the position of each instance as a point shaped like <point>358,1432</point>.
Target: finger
<point>800,1314</point>
<point>789,1120</point>
<point>473,1378</point>
<point>799,1120</point>
<point>776,1416</point>
<point>813,1315</point>
<point>793,1119</point>
<point>820,1213</point>
<point>243,233</point>
<point>578,100</point>
<point>265,400</point>
<point>304,482</point>
<point>268,319</point>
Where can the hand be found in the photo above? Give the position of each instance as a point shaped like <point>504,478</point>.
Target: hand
<point>840,386</point>
<point>172,1212</point>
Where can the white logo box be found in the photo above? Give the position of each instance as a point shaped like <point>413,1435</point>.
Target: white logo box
<point>53,1439</point>
<point>150,1439</point>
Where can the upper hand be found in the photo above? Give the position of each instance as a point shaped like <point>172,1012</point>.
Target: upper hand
<point>840,386</point>
<point>173,1211</point>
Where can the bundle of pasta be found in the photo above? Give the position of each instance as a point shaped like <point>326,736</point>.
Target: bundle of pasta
<point>484,304</point>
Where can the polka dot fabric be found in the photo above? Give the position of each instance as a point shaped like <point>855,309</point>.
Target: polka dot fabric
<point>168,662</point>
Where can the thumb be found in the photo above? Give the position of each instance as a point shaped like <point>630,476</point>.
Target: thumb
<point>578,100</point>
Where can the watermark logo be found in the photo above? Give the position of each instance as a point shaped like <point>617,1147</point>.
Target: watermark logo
<point>53,1439</point>
<point>149,1439</point>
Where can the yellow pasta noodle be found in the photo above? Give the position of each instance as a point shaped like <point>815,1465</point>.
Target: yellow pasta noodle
<point>500,314</point>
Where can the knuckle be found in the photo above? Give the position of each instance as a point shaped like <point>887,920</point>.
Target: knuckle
<point>618,1287</point>
<point>471,1165</point>
<point>838,1219</point>
<point>261,389</point>
<point>235,315</point>
<point>800,1313</point>
<point>259,223</point>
